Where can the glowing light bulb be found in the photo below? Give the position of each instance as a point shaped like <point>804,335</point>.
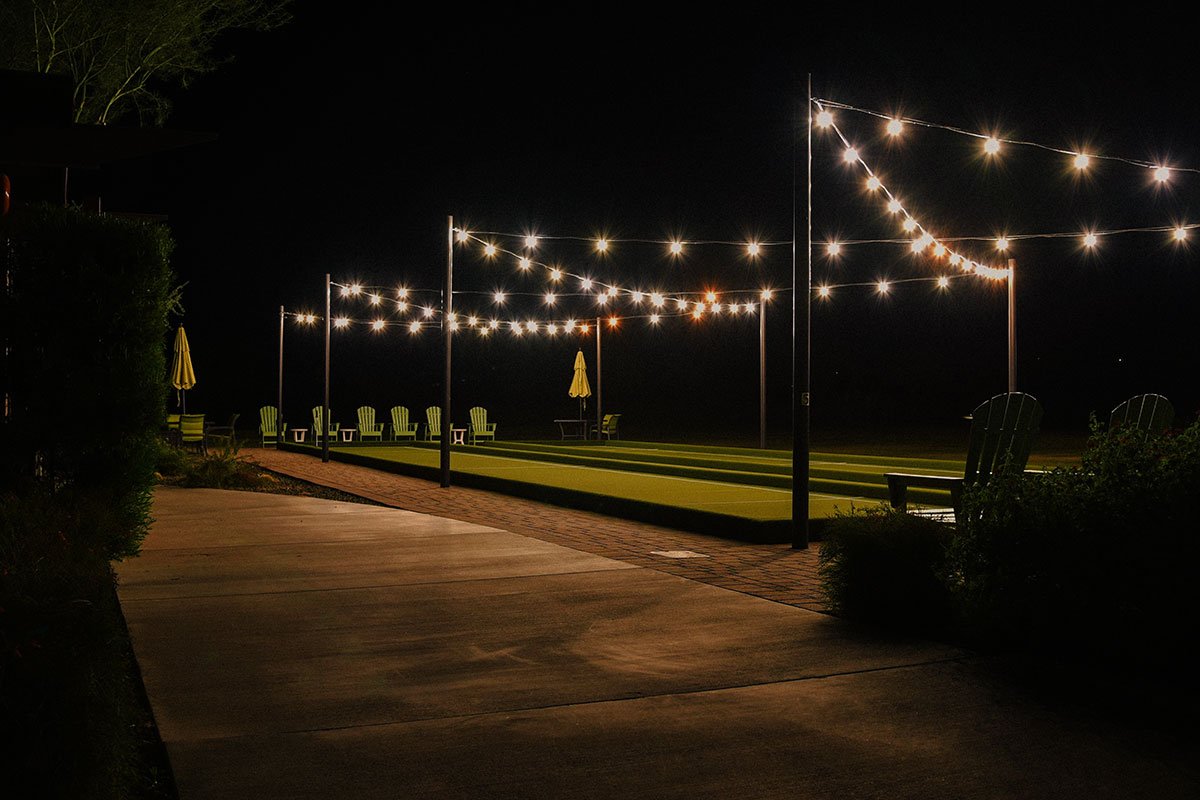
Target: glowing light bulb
<point>753,249</point>
<point>657,299</point>
<point>484,331</point>
<point>991,145</point>
<point>341,322</point>
<point>710,297</point>
<point>525,263</point>
<point>823,291</point>
<point>586,283</point>
<point>602,245</point>
<point>602,299</point>
<point>401,306</point>
<point>514,326</point>
<point>550,298</point>
<point>556,274</point>
<point>767,294</point>
<point>428,312</point>
<point>462,235</point>
<point>531,241</point>
<point>551,328</point>
<point>1082,160</point>
<point>498,297</point>
<point>676,248</point>
<point>833,249</point>
<point>489,250</point>
<point>453,324</point>
<point>1002,243</point>
<point>414,327</point>
<point>873,184</point>
<point>882,287</point>
<point>895,127</point>
<point>402,293</point>
<point>345,291</point>
<point>612,322</point>
<point>751,308</point>
<point>698,312</point>
<point>637,296</point>
<point>894,206</point>
<point>955,259</point>
<point>909,225</point>
<point>531,326</point>
<point>612,291</point>
<point>494,324</point>
<point>1180,234</point>
<point>355,289</point>
<point>681,304</point>
<point>1090,240</point>
<point>916,246</point>
<point>472,321</point>
<point>1162,174</point>
<point>583,328</point>
<point>824,119</point>
<point>375,299</point>
<point>850,155</point>
<point>716,308</point>
<point>939,249</point>
<point>654,319</point>
<point>943,282</point>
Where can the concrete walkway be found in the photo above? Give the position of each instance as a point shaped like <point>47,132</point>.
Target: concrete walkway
<point>301,648</point>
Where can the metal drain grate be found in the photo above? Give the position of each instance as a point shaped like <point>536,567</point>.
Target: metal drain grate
<point>677,554</point>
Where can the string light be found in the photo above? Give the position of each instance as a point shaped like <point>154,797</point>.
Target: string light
<point>355,289</point>
<point>462,235</point>
<point>377,325</point>
<point>612,322</point>
<point>472,321</point>
<point>909,225</point>
<point>882,287</point>
<point>657,300</point>
<point>943,282</point>
<point>636,296</point>
<point>1002,244</point>
<point>833,249</point>
<point>531,241</point>
<point>402,293</point>
<point>602,245</point>
<point>375,299</point>
<point>1082,161</point>
<point>414,327</point>
<point>873,184</point>
<point>824,119</point>
<point>341,322</point>
<point>767,294</point>
<point>991,145</point>
<point>489,250</point>
<point>1090,240</point>
<point>895,127</point>
<point>1180,234</point>
<point>894,206</point>
<point>1162,174</point>
<point>850,155</point>
<point>428,311</point>
<point>498,297</point>
<point>752,249</point>
<point>710,297</point>
<point>556,274</point>
<point>676,248</point>
<point>654,319</point>
<point>586,283</point>
<point>823,292</point>
<point>525,263</point>
<point>550,298</point>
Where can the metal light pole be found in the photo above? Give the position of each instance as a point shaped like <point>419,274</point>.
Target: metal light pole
<point>801,320</point>
<point>762,374</point>
<point>447,310</point>
<point>599,381</point>
<point>325,407</point>
<point>1012,325</point>
<point>279,398</point>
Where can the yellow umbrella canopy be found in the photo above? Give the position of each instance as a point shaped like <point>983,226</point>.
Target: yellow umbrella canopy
<point>579,383</point>
<point>183,377</point>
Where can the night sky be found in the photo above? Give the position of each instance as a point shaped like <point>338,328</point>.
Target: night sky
<point>345,140</point>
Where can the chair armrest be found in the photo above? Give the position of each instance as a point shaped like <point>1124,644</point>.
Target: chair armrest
<point>898,483</point>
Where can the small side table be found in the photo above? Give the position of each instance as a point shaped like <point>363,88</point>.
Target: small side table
<point>298,434</point>
<point>347,434</point>
<point>458,436</point>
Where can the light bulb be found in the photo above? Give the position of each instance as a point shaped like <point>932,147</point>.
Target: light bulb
<point>1002,243</point>
<point>1082,160</point>
<point>895,127</point>
<point>850,155</point>
<point>1162,174</point>
<point>873,184</point>
<point>833,249</point>
<point>1180,234</point>
<point>824,119</point>
<point>991,146</point>
<point>752,249</point>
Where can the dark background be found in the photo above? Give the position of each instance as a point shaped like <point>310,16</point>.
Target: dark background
<point>347,137</point>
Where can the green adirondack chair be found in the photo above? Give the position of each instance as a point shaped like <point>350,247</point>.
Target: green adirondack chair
<point>433,424</point>
<point>609,427</point>
<point>401,427</point>
<point>367,427</point>
<point>191,432</point>
<point>319,427</point>
<point>172,434</point>
<point>1151,413</point>
<point>268,425</point>
<point>480,427</point>
<point>1002,433</point>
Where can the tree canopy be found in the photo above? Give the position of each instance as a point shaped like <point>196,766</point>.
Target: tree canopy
<point>122,55</point>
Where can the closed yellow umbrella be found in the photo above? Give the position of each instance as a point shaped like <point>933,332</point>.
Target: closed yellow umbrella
<point>579,384</point>
<point>183,377</point>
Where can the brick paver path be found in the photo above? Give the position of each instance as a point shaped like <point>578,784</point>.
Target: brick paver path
<point>771,571</point>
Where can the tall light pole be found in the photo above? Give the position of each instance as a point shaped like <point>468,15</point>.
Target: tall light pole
<point>599,381</point>
<point>762,373</point>
<point>325,407</point>
<point>1012,325</point>
<point>447,312</point>
<point>801,320</point>
<point>279,397</point>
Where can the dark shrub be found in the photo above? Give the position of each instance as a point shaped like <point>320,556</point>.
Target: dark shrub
<point>1093,562</point>
<point>885,567</point>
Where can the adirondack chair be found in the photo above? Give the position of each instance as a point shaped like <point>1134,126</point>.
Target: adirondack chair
<point>401,427</point>
<point>480,427</point>
<point>1002,432</point>
<point>173,429</point>
<point>319,427</point>
<point>191,432</point>
<point>433,424</point>
<point>367,427</point>
<point>608,426</point>
<point>1151,413</point>
<point>268,425</point>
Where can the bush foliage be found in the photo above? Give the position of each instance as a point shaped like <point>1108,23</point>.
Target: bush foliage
<point>1088,563</point>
